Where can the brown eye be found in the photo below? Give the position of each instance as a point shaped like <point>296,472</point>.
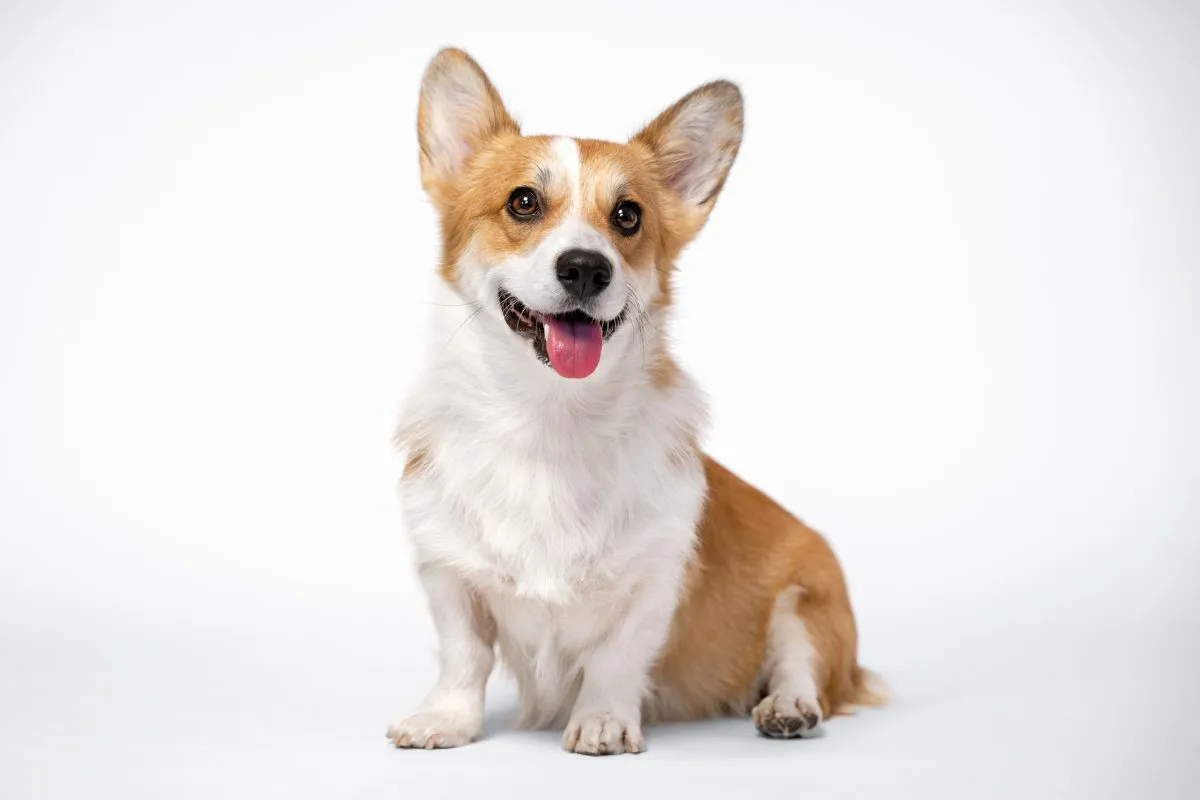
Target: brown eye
<point>627,217</point>
<point>523,204</point>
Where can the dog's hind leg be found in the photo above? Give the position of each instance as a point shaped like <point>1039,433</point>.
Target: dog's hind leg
<point>791,673</point>
<point>810,671</point>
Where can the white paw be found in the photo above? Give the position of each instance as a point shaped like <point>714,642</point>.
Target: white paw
<point>434,728</point>
<point>783,716</point>
<point>603,735</point>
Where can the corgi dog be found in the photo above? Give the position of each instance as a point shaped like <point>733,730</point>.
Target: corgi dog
<point>561,511</point>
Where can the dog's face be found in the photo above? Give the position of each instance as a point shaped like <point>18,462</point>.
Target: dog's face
<point>566,241</point>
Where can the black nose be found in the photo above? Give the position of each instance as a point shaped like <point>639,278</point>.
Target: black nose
<point>584,273</point>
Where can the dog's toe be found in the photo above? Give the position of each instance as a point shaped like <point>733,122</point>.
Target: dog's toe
<point>782,716</point>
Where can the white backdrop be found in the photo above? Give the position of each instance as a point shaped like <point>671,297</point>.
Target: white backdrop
<point>947,311</point>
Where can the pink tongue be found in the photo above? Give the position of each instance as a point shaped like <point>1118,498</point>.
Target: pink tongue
<point>573,347</point>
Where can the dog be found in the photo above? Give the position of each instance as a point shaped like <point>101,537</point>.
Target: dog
<point>560,508</point>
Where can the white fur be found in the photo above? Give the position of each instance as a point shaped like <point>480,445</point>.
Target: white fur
<point>456,95</point>
<point>565,510</point>
<point>790,667</point>
<point>566,152</point>
<point>452,712</point>
<point>532,276</point>
<point>700,146</point>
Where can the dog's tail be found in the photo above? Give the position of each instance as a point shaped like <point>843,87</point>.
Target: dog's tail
<point>869,690</point>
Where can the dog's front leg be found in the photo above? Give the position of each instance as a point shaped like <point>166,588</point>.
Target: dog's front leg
<point>452,713</point>
<point>607,717</point>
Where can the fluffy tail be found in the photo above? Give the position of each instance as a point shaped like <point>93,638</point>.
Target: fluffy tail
<point>869,690</point>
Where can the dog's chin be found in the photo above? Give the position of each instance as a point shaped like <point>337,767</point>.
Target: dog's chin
<point>568,342</point>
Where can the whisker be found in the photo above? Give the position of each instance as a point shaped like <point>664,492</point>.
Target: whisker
<point>461,325</point>
<point>446,305</point>
<point>639,318</point>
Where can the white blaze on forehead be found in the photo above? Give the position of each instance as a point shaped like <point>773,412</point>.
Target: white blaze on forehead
<point>566,153</point>
<point>533,277</point>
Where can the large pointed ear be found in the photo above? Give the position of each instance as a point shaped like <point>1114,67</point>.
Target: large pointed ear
<point>694,143</point>
<point>459,111</point>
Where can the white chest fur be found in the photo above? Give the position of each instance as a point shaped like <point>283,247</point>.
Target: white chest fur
<point>560,502</point>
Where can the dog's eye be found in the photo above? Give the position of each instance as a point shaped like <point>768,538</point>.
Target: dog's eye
<point>627,217</point>
<point>523,203</point>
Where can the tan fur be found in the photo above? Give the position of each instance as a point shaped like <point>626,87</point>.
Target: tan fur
<point>488,122</point>
<point>475,212</point>
<point>610,173</point>
<point>415,460</point>
<point>750,550</point>
<point>472,204</point>
<point>471,199</point>
<point>658,145</point>
<point>664,372</point>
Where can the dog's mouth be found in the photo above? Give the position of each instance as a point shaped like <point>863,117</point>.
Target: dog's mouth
<point>570,343</point>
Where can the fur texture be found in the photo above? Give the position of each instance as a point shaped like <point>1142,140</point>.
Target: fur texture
<point>573,524</point>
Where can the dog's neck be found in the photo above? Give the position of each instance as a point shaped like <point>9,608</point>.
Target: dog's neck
<point>481,377</point>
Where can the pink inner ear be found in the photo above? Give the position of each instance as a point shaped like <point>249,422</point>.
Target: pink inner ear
<point>679,170</point>
<point>448,142</point>
<point>696,162</point>
<point>696,175</point>
<point>698,144</point>
<point>460,110</point>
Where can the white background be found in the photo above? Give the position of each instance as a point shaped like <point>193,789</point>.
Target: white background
<point>947,311</point>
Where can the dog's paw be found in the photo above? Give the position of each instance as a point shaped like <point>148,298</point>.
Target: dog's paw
<point>433,728</point>
<point>783,716</point>
<point>604,734</point>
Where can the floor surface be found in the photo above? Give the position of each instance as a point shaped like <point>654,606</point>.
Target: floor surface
<point>302,714</point>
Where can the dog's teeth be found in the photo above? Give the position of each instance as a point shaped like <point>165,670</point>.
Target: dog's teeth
<point>546,329</point>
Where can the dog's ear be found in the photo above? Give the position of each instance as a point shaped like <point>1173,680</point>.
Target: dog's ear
<point>693,144</point>
<point>459,111</point>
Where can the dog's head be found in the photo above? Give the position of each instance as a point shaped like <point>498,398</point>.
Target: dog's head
<point>561,241</point>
